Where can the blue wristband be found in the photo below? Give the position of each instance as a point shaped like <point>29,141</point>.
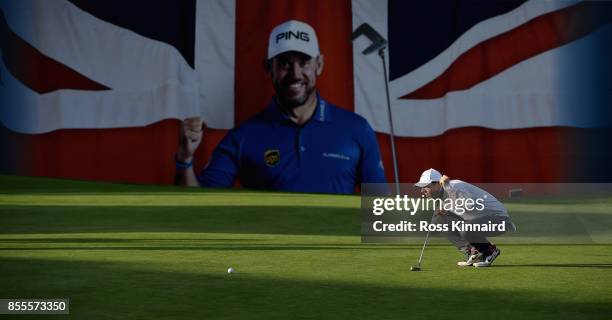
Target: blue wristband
<point>183,165</point>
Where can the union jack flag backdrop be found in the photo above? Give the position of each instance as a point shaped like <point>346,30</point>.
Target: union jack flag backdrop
<point>486,91</point>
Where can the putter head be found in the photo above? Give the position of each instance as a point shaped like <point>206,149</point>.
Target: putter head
<point>378,41</point>
<point>415,268</point>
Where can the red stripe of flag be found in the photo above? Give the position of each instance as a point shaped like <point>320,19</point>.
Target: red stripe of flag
<point>36,70</point>
<point>497,54</point>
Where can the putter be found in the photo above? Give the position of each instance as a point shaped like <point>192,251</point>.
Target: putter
<point>379,44</point>
<point>418,266</point>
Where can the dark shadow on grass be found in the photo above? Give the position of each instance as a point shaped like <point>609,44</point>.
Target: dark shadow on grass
<point>223,247</point>
<point>283,220</point>
<point>199,241</point>
<point>42,185</point>
<point>125,291</point>
<point>118,240</point>
<point>557,265</point>
<point>191,219</point>
<point>12,185</point>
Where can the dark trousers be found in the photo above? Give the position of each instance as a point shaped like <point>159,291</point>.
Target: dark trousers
<point>465,240</point>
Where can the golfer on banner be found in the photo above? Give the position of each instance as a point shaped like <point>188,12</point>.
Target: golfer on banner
<point>300,142</point>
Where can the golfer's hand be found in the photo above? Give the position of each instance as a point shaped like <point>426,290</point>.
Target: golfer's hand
<point>190,136</point>
<point>444,180</point>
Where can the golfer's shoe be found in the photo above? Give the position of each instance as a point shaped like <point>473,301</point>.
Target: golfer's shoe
<point>489,259</point>
<point>471,259</point>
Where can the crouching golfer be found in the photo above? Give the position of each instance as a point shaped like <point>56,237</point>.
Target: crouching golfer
<point>479,252</point>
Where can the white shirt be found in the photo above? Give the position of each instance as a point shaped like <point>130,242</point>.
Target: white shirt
<point>457,189</point>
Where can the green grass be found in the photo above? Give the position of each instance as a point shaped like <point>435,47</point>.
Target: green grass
<point>154,252</point>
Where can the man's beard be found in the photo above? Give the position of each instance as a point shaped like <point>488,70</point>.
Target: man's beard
<point>291,103</point>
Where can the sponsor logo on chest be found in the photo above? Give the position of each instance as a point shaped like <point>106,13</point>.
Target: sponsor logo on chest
<point>271,157</point>
<point>338,156</point>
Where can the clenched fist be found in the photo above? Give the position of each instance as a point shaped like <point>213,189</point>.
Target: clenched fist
<point>190,136</point>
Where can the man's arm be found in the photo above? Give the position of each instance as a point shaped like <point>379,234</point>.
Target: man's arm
<point>222,169</point>
<point>186,177</point>
<point>190,136</point>
<point>371,168</point>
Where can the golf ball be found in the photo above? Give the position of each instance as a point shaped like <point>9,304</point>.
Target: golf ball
<point>230,270</point>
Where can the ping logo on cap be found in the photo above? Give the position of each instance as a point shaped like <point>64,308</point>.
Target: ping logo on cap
<point>293,35</point>
<point>287,35</point>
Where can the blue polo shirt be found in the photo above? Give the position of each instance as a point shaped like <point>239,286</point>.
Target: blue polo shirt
<point>331,153</point>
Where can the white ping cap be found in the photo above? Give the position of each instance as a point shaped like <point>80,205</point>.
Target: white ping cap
<point>293,35</point>
<point>428,176</point>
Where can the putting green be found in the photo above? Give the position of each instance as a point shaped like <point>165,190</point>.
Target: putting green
<point>145,252</point>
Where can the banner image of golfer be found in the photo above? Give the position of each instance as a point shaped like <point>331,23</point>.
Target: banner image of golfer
<point>310,159</point>
<point>510,89</point>
<point>333,151</point>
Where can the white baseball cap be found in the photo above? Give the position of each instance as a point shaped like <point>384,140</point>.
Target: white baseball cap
<point>293,35</point>
<point>428,176</point>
